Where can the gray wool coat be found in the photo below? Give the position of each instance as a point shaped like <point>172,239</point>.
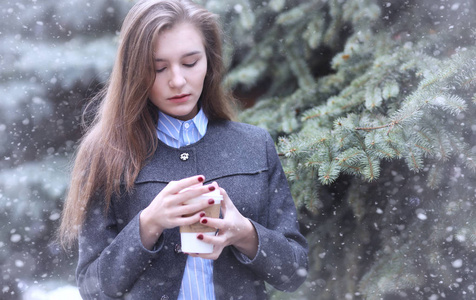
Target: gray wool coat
<point>243,160</point>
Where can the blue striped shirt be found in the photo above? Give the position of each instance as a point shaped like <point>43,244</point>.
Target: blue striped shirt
<point>197,281</point>
<point>177,133</point>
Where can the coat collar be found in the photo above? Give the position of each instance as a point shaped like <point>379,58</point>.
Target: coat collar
<point>228,148</point>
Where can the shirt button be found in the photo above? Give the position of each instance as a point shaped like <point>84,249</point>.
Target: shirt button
<point>186,125</point>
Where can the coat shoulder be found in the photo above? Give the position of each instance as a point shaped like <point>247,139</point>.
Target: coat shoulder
<point>237,131</point>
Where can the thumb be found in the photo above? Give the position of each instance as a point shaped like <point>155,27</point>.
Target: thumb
<point>226,203</point>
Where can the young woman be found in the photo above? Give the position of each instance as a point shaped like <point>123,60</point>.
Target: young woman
<point>164,125</point>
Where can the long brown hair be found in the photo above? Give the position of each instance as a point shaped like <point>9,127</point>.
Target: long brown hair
<point>122,135</point>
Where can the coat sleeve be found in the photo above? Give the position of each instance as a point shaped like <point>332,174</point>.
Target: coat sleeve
<point>282,257</point>
<point>110,261</point>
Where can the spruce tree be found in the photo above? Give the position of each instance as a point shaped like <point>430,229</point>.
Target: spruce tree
<point>53,56</point>
<point>371,104</point>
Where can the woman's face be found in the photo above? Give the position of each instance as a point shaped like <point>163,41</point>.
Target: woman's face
<point>181,66</point>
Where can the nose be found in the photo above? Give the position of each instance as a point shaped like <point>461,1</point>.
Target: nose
<point>177,78</point>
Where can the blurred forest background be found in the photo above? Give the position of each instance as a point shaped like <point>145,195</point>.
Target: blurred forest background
<point>371,103</point>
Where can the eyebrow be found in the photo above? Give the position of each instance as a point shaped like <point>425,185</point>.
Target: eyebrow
<point>183,56</point>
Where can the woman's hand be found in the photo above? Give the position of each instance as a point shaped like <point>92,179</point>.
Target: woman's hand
<point>168,209</point>
<point>234,229</point>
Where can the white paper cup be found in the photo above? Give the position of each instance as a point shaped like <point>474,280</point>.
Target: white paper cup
<point>188,234</point>
<point>190,243</point>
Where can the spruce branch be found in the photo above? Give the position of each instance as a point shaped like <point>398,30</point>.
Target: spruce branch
<point>300,69</point>
<point>276,5</point>
<point>435,175</point>
<point>294,15</point>
<point>313,33</point>
<point>414,158</point>
<point>328,171</point>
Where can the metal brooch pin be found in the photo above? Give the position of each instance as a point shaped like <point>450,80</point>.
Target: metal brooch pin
<point>184,156</point>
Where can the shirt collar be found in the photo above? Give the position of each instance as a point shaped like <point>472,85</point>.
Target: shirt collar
<point>171,126</point>
<point>201,122</point>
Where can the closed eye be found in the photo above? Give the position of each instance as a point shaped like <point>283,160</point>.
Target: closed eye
<point>191,65</point>
<point>186,65</point>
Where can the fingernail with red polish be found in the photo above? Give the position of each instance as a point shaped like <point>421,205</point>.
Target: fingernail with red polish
<point>204,221</point>
<point>211,188</point>
<point>200,236</point>
<point>211,201</point>
<point>202,215</point>
<point>201,179</point>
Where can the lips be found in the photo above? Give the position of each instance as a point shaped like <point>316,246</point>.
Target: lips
<point>179,97</point>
